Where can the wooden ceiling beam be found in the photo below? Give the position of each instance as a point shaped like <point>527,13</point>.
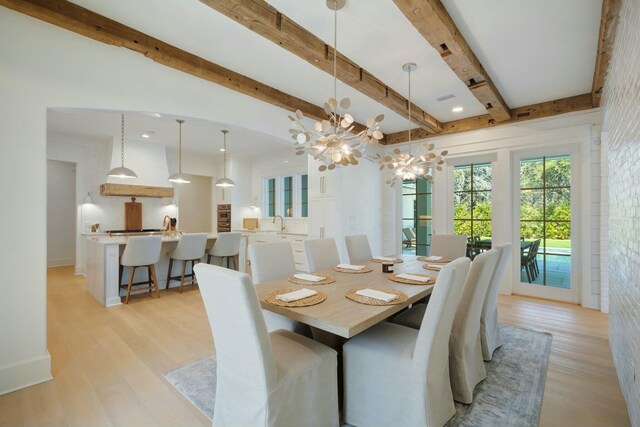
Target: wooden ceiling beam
<point>520,114</point>
<point>264,19</point>
<point>432,20</point>
<point>610,10</point>
<point>82,21</point>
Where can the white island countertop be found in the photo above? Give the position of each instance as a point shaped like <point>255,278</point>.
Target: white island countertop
<point>122,240</point>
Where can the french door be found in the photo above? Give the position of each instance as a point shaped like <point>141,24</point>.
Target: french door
<point>546,236</point>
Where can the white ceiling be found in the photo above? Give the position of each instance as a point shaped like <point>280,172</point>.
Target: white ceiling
<point>534,50</point>
<point>198,136</point>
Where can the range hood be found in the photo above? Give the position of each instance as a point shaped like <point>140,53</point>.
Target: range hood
<point>149,161</point>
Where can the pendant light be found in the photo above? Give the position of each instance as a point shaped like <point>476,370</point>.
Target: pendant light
<point>121,171</point>
<point>179,178</point>
<point>333,141</point>
<point>406,165</point>
<point>225,182</point>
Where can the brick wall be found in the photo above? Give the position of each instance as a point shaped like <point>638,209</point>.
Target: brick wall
<point>622,130</point>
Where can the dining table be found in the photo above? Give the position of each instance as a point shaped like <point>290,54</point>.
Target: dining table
<point>340,315</point>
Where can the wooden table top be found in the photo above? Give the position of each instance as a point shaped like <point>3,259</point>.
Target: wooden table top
<point>340,315</point>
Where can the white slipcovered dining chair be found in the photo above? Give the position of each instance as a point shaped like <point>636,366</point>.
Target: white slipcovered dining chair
<point>490,338</point>
<point>322,254</point>
<point>190,248</point>
<point>465,351</point>
<point>358,248</point>
<point>263,379</point>
<point>142,251</point>
<point>273,261</point>
<point>449,246</point>
<point>394,375</point>
<point>227,246</point>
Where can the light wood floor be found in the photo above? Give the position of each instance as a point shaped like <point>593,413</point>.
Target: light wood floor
<point>108,363</point>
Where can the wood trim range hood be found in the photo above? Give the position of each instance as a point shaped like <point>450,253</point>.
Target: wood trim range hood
<point>128,190</point>
<point>150,163</point>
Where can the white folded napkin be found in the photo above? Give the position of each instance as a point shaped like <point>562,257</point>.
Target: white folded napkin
<point>433,258</point>
<point>372,293</point>
<point>296,295</point>
<point>309,277</point>
<point>384,258</point>
<point>350,267</point>
<point>435,266</point>
<point>408,276</point>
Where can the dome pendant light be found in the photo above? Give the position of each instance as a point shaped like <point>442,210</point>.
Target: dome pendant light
<point>121,171</point>
<point>179,178</point>
<point>225,182</point>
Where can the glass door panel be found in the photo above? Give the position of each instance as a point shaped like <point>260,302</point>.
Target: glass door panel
<point>545,221</point>
<point>416,216</point>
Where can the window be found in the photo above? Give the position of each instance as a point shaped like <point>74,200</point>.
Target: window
<point>270,199</point>
<point>472,205</point>
<point>304,196</point>
<point>545,221</point>
<point>288,196</point>
<point>416,216</point>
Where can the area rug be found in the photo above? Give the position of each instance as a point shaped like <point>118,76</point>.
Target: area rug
<point>510,396</point>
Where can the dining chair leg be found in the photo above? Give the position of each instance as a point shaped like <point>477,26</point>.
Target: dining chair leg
<point>184,267</point>
<point>233,261</point>
<point>169,273</point>
<point>131,273</point>
<point>155,279</point>
<point>193,275</point>
<point>150,283</point>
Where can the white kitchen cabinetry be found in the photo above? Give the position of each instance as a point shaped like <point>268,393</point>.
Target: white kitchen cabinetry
<point>325,216</point>
<point>297,246</point>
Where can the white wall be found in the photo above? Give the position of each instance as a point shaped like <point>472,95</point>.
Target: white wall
<point>499,145</point>
<point>61,213</point>
<point>621,105</point>
<point>44,66</point>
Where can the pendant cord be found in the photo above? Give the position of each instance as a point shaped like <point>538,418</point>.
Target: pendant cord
<point>225,155</point>
<point>335,61</point>
<point>122,140</point>
<point>180,149</point>
<point>409,117</point>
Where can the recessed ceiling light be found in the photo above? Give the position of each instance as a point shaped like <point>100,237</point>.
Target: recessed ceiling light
<point>457,109</point>
<point>148,134</point>
<point>286,161</point>
<point>223,150</point>
<point>156,115</point>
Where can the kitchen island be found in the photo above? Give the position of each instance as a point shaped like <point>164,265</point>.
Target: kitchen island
<point>102,264</point>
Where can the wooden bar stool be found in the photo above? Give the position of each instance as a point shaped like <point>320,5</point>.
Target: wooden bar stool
<point>142,251</point>
<point>190,248</point>
<point>227,247</point>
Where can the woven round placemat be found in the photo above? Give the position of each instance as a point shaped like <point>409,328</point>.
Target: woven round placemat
<point>328,279</point>
<point>395,278</point>
<point>426,267</point>
<point>397,261</point>
<point>351,294</point>
<point>440,261</point>
<point>304,302</point>
<point>366,269</point>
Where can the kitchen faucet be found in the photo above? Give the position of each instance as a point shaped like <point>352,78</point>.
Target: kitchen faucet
<point>281,221</point>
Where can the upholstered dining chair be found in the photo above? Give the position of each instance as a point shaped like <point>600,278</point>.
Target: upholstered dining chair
<point>358,248</point>
<point>227,246</point>
<point>450,246</point>
<point>490,338</point>
<point>273,261</point>
<point>322,254</point>
<point>394,375</point>
<point>263,379</point>
<point>465,351</point>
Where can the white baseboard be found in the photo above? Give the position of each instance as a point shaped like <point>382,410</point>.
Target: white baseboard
<point>25,374</point>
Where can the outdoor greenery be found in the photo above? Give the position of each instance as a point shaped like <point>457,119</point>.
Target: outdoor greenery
<point>536,203</point>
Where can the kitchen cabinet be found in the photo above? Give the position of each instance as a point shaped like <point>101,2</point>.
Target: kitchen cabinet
<point>325,217</point>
